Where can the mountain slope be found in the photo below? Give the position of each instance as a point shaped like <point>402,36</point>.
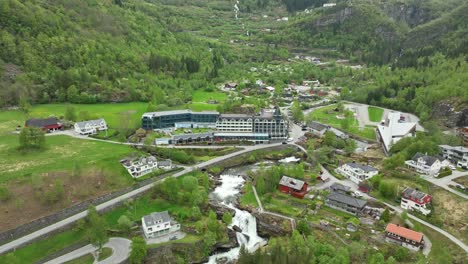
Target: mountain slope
<point>88,51</point>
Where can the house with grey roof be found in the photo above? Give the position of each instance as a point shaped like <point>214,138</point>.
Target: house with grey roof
<point>357,172</point>
<point>158,224</point>
<point>428,165</point>
<point>318,128</point>
<point>139,166</point>
<point>339,188</point>
<point>345,203</point>
<point>90,127</point>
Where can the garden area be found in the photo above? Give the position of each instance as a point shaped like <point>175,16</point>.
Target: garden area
<point>375,113</point>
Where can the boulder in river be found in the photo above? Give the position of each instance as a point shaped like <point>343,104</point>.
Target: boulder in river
<point>237,229</point>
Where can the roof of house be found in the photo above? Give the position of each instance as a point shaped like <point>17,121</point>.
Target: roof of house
<point>235,116</point>
<point>394,129</point>
<point>317,126</point>
<point>156,217</point>
<point>456,148</point>
<point>177,112</point>
<point>404,232</point>
<point>192,136</point>
<point>42,122</point>
<point>365,168</point>
<point>166,162</point>
<point>429,160</point>
<point>346,199</point>
<point>143,160</point>
<point>96,122</point>
<point>413,194</point>
<point>292,183</point>
<point>339,187</point>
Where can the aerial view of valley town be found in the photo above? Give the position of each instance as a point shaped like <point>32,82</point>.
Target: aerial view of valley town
<point>233,131</point>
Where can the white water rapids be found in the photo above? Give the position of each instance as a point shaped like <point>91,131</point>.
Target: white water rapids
<point>226,193</point>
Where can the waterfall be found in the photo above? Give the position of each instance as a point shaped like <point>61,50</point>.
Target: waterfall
<point>226,193</point>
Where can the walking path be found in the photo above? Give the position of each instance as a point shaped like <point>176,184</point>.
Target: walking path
<point>262,211</point>
<point>120,252</point>
<point>67,221</point>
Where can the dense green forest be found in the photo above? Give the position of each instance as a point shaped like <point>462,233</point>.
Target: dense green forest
<point>382,32</point>
<point>90,51</point>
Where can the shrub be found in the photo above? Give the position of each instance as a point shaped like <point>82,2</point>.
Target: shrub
<point>4,194</point>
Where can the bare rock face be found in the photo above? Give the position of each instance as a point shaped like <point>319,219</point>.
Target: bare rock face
<point>449,115</point>
<point>269,225</point>
<point>231,243</point>
<point>409,14</point>
<point>220,209</point>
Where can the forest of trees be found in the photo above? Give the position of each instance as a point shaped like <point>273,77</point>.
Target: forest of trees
<point>88,51</point>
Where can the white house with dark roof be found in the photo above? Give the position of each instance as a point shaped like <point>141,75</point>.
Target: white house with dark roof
<point>424,164</point>
<point>415,200</point>
<point>357,172</point>
<point>394,129</point>
<point>140,166</point>
<point>158,224</point>
<point>90,127</point>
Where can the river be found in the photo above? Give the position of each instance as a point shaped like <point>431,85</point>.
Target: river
<point>227,194</point>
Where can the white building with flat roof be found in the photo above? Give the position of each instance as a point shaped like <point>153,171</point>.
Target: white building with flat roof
<point>357,172</point>
<point>457,155</point>
<point>90,127</point>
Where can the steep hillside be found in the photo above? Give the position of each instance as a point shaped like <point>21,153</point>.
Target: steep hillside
<point>379,32</point>
<point>87,51</point>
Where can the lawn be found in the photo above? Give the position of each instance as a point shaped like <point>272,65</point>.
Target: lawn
<point>86,259</point>
<point>248,198</point>
<point>112,113</point>
<point>375,113</point>
<point>84,168</point>
<point>204,96</point>
<point>105,253</point>
<point>61,153</point>
<point>42,248</point>
<point>326,115</point>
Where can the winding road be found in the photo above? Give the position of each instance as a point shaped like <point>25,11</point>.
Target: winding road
<point>120,252</point>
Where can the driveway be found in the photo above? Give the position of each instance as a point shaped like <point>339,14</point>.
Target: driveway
<point>169,237</point>
<point>120,252</point>
<point>444,182</point>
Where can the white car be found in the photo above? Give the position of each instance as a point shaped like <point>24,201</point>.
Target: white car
<point>357,194</point>
<point>452,167</point>
<point>290,139</point>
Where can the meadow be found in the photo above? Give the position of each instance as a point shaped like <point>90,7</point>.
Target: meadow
<point>375,113</point>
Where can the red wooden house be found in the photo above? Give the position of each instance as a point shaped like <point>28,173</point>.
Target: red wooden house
<point>294,187</point>
<point>47,124</point>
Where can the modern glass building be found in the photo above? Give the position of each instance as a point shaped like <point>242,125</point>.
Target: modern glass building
<point>179,118</point>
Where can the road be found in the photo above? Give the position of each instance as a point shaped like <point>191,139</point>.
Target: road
<point>41,232</point>
<point>444,182</point>
<point>120,252</point>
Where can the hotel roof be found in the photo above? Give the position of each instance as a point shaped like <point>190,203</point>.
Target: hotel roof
<point>177,112</point>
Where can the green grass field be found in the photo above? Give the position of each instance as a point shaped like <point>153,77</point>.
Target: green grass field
<point>375,113</point>
<point>204,96</point>
<point>112,113</point>
<point>60,155</point>
<point>248,198</point>
<point>326,115</point>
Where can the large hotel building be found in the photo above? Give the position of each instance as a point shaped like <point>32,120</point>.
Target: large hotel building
<point>267,125</point>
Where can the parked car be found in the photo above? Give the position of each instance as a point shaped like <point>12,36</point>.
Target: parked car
<point>284,142</point>
<point>357,194</point>
<point>290,139</point>
<point>452,167</point>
